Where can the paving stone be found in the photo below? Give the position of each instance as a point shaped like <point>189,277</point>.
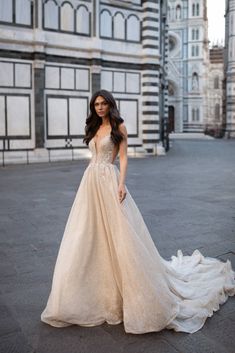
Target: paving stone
<point>188,201</point>
<point>228,308</point>
<point>195,343</point>
<point>8,323</point>
<point>222,333</point>
<point>146,343</point>
<point>75,339</point>
<point>16,343</point>
<point>230,255</point>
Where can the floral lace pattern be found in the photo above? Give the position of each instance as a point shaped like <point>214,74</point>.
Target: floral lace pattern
<point>102,153</point>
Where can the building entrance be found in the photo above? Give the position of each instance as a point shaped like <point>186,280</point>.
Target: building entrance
<point>171,119</point>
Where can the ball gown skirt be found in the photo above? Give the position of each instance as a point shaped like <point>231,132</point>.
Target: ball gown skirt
<point>109,270</point>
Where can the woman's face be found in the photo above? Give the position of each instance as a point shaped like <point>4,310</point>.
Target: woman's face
<point>101,107</point>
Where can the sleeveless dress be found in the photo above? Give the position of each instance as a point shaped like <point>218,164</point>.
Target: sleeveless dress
<point>109,270</point>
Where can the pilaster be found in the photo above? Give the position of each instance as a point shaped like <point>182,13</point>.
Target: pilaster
<point>150,75</point>
<point>39,86</point>
<point>230,74</point>
<point>95,78</point>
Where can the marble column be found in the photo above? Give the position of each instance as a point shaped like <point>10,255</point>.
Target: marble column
<point>150,75</point>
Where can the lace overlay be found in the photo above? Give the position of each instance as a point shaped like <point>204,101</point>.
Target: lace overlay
<point>102,153</point>
<point>108,268</point>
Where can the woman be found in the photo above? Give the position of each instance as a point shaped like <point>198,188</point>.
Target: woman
<point>108,268</point>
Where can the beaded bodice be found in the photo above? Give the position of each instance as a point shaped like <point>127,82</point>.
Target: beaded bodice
<point>103,151</point>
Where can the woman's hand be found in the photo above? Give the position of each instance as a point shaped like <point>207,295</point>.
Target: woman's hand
<point>121,192</point>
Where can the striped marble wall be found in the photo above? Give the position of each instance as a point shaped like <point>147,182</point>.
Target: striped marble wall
<point>57,53</point>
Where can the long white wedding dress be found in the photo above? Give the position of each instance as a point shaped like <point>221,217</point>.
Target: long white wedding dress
<point>109,270</point>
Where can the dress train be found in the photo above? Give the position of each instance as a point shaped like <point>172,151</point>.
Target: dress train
<point>108,268</point>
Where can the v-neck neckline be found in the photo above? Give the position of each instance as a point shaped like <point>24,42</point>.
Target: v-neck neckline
<point>95,142</point>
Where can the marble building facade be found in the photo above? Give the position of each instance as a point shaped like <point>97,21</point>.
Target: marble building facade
<point>215,121</point>
<point>229,69</point>
<point>54,54</point>
<point>188,65</point>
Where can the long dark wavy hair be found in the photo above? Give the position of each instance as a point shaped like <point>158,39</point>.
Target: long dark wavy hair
<point>93,121</point>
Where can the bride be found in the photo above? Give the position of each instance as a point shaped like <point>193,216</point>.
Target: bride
<point>108,268</point>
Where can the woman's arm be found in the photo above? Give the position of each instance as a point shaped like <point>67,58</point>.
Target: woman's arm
<point>123,163</point>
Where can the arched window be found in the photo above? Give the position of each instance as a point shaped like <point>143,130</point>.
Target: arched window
<point>172,42</point>
<point>178,12</point>
<point>82,20</point>
<point>231,23</point>
<point>67,17</point>
<point>197,33</point>
<point>193,34</point>
<point>133,28</point>
<point>197,10</point>
<point>198,114</point>
<point>230,47</point>
<point>193,50</point>
<point>51,14</point>
<point>193,114</point>
<point>217,112</point>
<point>197,51</point>
<point>193,10</point>
<point>216,82</point>
<point>106,24</point>
<point>168,12</point>
<point>119,26</point>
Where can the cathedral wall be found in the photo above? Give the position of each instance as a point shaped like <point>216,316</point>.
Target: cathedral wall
<point>189,65</point>
<point>230,69</point>
<point>55,54</point>
<point>215,116</point>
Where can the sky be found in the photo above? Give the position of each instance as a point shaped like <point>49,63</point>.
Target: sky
<point>215,13</point>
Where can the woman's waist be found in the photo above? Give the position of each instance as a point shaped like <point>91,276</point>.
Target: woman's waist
<point>102,164</point>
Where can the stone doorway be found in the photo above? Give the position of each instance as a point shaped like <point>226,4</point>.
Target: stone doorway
<point>171,119</point>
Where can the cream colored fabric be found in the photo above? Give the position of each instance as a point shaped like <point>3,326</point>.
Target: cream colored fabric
<point>108,268</point>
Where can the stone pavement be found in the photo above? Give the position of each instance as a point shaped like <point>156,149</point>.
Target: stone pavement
<point>189,136</point>
<point>187,199</point>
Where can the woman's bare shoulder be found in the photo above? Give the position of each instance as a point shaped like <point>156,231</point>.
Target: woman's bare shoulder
<point>122,128</point>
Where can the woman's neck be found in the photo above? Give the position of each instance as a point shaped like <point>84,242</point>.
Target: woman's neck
<point>105,121</point>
